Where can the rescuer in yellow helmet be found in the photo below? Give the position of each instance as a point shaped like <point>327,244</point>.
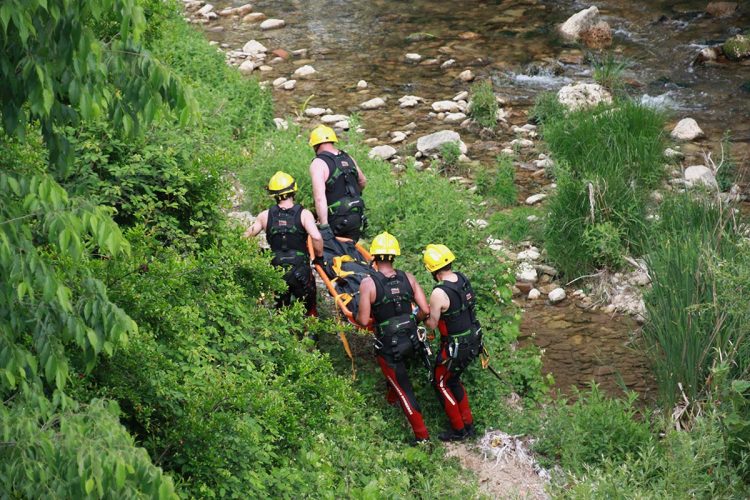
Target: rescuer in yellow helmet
<point>388,295</point>
<point>452,311</point>
<point>337,184</point>
<point>287,225</point>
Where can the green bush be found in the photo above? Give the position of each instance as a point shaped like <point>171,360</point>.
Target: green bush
<point>608,160</point>
<point>81,451</point>
<point>449,163</point>
<point>592,430</point>
<point>499,185</point>
<point>683,465</point>
<point>514,225</point>
<point>483,104</point>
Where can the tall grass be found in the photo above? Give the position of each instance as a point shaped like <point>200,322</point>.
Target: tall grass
<point>608,71</point>
<point>483,104</point>
<point>691,329</point>
<point>499,185</point>
<point>608,160</point>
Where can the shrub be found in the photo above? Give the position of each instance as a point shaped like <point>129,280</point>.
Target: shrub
<point>515,226</point>
<point>604,243</point>
<point>483,104</point>
<point>449,162</point>
<point>592,430</point>
<point>499,185</point>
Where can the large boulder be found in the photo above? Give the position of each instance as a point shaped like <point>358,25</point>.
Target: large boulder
<point>721,9</point>
<point>583,95</point>
<point>431,144</point>
<point>375,103</point>
<point>687,130</point>
<point>580,22</point>
<point>700,175</point>
<point>383,152</point>
<point>598,36</point>
<point>737,47</point>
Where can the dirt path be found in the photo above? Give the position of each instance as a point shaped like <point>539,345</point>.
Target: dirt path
<point>502,465</point>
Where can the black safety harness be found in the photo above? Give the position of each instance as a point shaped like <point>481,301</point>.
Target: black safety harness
<point>288,240</point>
<point>346,207</point>
<point>463,331</point>
<point>395,325</point>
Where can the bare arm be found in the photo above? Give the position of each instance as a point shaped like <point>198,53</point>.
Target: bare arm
<point>319,175</point>
<point>366,292</point>
<point>308,222</point>
<point>439,303</point>
<point>419,298</point>
<point>361,179</point>
<point>259,225</point>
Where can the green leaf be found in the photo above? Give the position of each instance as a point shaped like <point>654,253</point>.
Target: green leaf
<point>89,486</point>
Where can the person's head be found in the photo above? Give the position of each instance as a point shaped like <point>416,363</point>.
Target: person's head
<point>282,186</point>
<point>322,135</point>
<point>385,248</point>
<point>437,258</point>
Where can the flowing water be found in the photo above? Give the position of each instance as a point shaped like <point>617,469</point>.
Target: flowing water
<point>514,43</point>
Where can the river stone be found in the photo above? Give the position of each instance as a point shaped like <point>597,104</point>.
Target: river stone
<point>412,57</point>
<point>521,143</point>
<point>430,144</point>
<point>247,67</point>
<point>721,9</point>
<point>254,17</point>
<point>461,96</point>
<point>242,10</point>
<point>328,119</point>
<point>205,10</point>
<point>529,254</point>
<point>304,71</point>
<point>598,36</point>
<point>409,101</point>
<point>454,117</point>
<point>375,103</point>
<point>737,47</point>
<point>466,75</point>
<point>526,273</point>
<point>447,64</point>
<point>534,294</point>
<point>673,154</point>
<point>272,24</point>
<point>583,95</point>
<point>445,106</point>
<point>254,47</point>
<point>280,81</point>
<point>315,111</point>
<point>700,174</point>
<point>341,125</point>
<point>687,130</point>
<point>361,85</point>
<point>577,23</point>
<point>535,198</point>
<point>289,85</point>
<point>281,124</point>
<point>556,295</point>
<point>397,137</point>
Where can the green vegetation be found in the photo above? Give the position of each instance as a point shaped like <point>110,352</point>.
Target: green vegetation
<point>483,104</point>
<point>607,163</point>
<point>449,163</point>
<point>608,71</point>
<point>499,185</point>
<point>515,226</point>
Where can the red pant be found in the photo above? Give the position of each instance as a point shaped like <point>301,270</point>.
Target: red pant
<point>399,383</point>
<point>451,391</point>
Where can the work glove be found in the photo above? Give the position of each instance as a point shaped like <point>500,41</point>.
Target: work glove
<point>325,232</point>
<point>318,261</point>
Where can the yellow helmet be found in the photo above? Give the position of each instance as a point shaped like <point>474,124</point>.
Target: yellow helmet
<point>282,183</point>
<point>385,244</point>
<point>321,134</point>
<point>437,257</point>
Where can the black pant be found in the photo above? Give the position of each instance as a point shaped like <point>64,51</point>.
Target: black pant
<point>300,286</point>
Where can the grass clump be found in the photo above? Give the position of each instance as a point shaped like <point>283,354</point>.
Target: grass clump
<point>514,225</point>
<point>608,71</point>
<point>499,185</point>
<point>450,154</point>
<point>608,160</point>
<point>483,103</point>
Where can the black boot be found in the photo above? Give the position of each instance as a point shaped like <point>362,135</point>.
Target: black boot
<point>470,430</point>
<point>454,435</point>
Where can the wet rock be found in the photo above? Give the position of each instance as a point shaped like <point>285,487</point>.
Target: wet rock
<point>247,67</point>
<point>534,294</point>
<point>466,75</point>
<point>454,117</point>
<point>700,175</point>
<point>556,295</point>
<point>409,101</point>
<point>526,273</point>
<point>382,152</point>
<point>361,85</point>
<point>289,85</point>
<point>419,37</point>
<point>254,17</point>
<point>312,112</point>
<point>282,53</point>
<point>721,9</point>
<point>579,22</point>
<point>253,48</point>
<point>243,10</point>
<point>687,130</point>
<point>431,144</point>
<point>737,48</point>
<point>598,36</point>
<point>375,103</point>
<point>329,119</point>
<point>304,71</point>
<point>413,57</point>
<point>447,64</point>
<point>445,107</point>
<point>583,95</point>
<point>523,287</point>
<point>272,24</point>
<point>708,54</point>
<point>535,198</point>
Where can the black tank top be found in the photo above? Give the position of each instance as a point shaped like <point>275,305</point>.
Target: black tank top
<point>393,296</point>
<point>343,179</point>
<point>460,316</point>
<point>285,231</point>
